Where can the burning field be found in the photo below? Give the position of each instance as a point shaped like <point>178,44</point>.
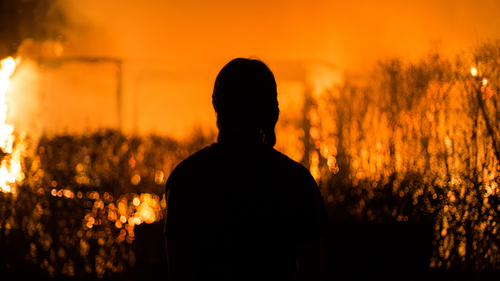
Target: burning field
<point>71,207</point>
<point>405,148</point>
<point>414,144</point>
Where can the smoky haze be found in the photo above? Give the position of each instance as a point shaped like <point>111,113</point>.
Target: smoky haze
<point>172,51</point>
<point>350,34</point>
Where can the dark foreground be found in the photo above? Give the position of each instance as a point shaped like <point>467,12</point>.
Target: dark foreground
<point>353,251</point>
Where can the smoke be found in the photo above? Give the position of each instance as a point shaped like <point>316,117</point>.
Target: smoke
<point>350,34</point>
<point>172,50</point>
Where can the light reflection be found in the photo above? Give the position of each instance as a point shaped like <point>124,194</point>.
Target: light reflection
<point>136,202</point>
<point>136,179</point>
<point>159,177</point>
<point>473,71</point>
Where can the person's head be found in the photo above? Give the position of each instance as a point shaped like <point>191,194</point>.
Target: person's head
<point>246,101</point>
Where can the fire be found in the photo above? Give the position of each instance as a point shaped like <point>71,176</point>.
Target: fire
<point>11,171</point>
<point>473,71</point>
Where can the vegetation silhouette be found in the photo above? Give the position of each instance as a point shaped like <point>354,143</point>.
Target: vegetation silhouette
<point>47,232</point>
<point>411,149</point>
<point>417,141</point>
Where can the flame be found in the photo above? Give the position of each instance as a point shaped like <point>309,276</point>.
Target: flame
<point>11,171</point>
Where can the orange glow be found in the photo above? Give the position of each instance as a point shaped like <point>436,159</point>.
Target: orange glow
<point>356,146</point>
<point>159,177</point>
<point>11,172</point>
<point>473,71</point>
<point>136,179</point>
<point>137,221</point>
<point>136,202</point>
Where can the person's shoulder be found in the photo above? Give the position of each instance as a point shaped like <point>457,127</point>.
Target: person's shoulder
<point>289,164</point>
<point>195,160</point>
<point>199,157</point>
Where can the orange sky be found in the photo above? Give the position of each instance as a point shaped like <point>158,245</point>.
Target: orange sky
<point>172,50</point>
<point>350,34</point>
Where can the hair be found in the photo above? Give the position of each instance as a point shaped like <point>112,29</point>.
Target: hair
<point>245,99</point>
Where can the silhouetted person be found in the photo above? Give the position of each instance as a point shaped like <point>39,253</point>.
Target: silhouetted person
<point>238,209</point>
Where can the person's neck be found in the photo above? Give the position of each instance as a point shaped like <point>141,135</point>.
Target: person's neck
<point>240,138</point>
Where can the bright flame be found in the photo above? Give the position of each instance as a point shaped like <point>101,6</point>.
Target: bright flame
<point>10,168</point>
<point>485,81</point>
<point>473,71</point>
<point>8,65</point>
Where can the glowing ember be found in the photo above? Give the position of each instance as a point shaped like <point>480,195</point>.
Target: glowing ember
<point>473,71</point>
<point>10,168</point>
